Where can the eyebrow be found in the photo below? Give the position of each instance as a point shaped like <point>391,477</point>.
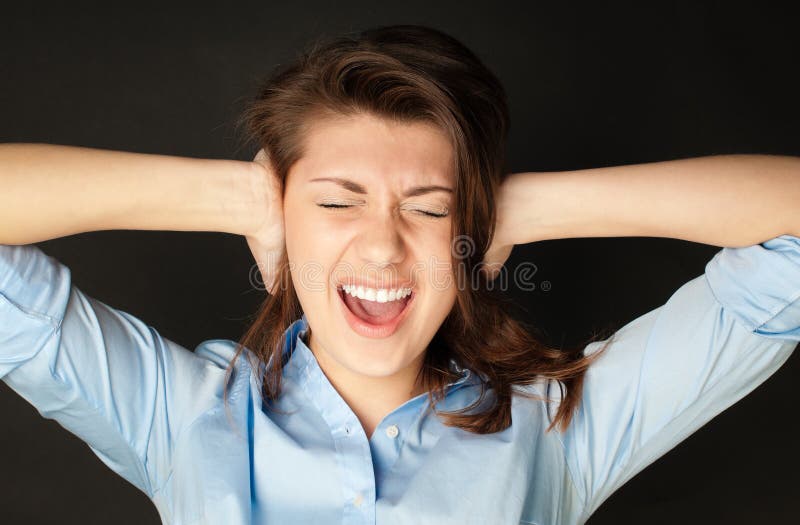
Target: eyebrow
<point>358,188</point>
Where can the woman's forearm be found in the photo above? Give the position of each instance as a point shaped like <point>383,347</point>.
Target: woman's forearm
<point>49,191</point>
<point>721,200</point>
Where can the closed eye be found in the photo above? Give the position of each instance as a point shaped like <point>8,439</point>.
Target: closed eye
<point>431,214</point>
<point>422,212</point>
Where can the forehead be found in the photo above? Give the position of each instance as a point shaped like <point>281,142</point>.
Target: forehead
<point>374,150</point>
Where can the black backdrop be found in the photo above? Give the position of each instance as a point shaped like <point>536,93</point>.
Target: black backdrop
<point>587,88</point>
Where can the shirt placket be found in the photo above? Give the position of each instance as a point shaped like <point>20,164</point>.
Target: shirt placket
<point>353,454</point>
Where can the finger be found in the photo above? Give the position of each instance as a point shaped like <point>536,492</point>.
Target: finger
<point>491,270</point>
<point>261,156</point>
<point>494,260</point>
<point>270,273</point>
<point>267,277</point>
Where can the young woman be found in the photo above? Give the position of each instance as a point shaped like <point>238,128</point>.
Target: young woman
<point>383,382</point>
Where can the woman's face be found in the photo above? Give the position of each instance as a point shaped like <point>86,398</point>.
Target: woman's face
<point>388,235</point>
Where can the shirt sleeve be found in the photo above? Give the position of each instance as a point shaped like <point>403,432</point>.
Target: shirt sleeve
<point>670,371</point>
<point>101,373</point>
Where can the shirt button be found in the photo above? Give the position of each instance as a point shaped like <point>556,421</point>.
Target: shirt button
<point>347,430</point>
<point>358,500</point>
<point>392,431</point>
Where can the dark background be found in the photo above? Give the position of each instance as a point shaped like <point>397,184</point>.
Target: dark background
<point>587,88</point>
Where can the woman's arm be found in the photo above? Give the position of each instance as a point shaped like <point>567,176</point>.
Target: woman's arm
<point>49,191</point>
<point>105,375</point>
<point>722,200</point>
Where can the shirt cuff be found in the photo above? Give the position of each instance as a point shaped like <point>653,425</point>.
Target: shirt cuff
<point>760,285</point>
<point>34,282</point>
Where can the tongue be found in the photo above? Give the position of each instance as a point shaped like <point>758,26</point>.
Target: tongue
<point>373,311</point>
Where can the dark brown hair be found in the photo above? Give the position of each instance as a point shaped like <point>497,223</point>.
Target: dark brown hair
<point>411,73</point>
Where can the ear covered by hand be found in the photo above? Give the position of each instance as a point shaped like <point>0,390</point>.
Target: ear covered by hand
<point>503,239</point>
<point>266,241</point>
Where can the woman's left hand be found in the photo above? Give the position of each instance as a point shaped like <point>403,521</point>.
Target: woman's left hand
<point>266,242</point>
<point>507,216</point>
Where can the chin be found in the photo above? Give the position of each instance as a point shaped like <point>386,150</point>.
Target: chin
<point>365,362</point>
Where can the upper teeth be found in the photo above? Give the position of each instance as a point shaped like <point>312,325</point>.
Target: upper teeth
<point>380,295</point>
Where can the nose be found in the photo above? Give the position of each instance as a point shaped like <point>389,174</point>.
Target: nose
<point>380,243</point>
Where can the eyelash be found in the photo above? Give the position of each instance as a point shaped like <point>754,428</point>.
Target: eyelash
<point>427,213</point>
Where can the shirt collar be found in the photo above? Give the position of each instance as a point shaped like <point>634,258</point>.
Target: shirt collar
<point>297,356</point>
<point>302,368</point>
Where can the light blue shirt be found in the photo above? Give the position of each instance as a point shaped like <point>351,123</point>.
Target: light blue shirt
<point>152,410</point>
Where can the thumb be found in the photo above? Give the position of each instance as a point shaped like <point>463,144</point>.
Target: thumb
<point>494,260</point>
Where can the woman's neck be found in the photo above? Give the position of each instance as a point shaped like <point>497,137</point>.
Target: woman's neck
<point>370,398</point>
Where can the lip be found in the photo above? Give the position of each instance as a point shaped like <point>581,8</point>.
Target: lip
<point>374,331</point>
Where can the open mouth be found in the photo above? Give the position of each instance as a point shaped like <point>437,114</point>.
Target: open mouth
<point>373,318</point>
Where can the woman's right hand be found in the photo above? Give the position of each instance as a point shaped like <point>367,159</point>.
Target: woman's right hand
<point>266,241</point>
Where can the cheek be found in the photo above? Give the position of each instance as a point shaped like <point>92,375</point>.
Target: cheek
<point>305,239</point>
<point>435,261</point>
<point>313,248</point>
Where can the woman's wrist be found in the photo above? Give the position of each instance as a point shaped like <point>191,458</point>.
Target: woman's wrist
<point>244,207</point>
<point>537,206</point>
<point>565,204</point>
